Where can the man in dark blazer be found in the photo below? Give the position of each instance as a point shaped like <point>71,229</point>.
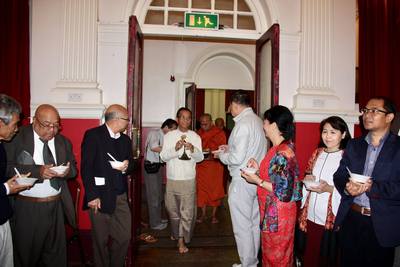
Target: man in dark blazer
<point>9,118</point>
<point>369,213</point>
<point>37,148</point>
<point>106,186</point>
<point>395,127</point>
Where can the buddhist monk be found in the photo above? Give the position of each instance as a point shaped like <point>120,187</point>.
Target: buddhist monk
<point>210,186</point>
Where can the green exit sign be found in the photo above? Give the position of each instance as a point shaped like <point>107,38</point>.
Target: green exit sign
<point>201,21</point>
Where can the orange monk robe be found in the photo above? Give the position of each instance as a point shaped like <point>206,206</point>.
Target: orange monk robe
<point>210,172</point>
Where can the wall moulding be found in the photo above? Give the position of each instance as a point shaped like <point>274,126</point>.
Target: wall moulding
<point>75,111</point>
<point>77,95</point>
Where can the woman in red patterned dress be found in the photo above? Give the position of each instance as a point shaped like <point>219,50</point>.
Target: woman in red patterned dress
<point>279,188</point>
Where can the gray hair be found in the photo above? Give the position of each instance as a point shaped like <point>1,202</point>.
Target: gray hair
<point>111,115</point>
<point>8,107</point>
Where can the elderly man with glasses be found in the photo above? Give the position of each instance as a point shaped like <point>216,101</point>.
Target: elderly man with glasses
<point>369,213</point>
<point>38,222</point>
<point>106,160</point>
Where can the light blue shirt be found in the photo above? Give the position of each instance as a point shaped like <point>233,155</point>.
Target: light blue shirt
<point>370,160</point>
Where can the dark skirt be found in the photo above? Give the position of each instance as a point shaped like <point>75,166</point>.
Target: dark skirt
<point>317,241</point>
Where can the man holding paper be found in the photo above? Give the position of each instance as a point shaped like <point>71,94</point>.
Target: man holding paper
<point>37,148</point>
<point>106,161</point>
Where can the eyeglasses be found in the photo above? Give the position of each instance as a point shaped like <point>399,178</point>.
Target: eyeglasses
<point>48,125</point>
<point>125,119</point>
<point>373,111</point>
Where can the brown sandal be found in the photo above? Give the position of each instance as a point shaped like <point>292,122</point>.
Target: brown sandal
<point>148,238</point>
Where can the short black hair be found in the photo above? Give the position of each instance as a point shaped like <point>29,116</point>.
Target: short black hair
<point>388,104</point>
<point>283,118</point>
<point>170,123</point>
<point>337,123</point>
<point>240,97</point>
<point>178,113</point>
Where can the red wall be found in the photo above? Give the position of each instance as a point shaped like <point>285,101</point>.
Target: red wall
<point>307,138</point>
<point>74,130</point>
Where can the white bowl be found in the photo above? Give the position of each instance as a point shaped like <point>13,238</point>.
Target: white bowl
<point>116,164</point>
<point>25,181</point>
<point>217,151</point>
<point>249,170</point>
<point>59,169</point>
<point>358,178</point>
<point>311,183</point>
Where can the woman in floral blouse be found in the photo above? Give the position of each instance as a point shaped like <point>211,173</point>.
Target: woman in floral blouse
<point>279,188</point>
<point>321,200</point>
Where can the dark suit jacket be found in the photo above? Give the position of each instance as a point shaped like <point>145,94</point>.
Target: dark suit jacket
<point>95,146</point>
<point>385,191</point>
<point>19,154</point>
<point>395,127</point>
<point>5,209</point>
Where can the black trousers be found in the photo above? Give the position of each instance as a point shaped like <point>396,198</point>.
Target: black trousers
<point>359,245</point>
<point>39,234</point>
<point>116,226</point>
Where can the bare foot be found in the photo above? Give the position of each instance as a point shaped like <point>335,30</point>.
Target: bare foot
<point>201,219</point>
<point>183,249</point>
<point>214,220</point>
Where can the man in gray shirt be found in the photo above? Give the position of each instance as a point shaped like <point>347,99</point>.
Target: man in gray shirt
<point>153,181</point>
<point>247,140</point>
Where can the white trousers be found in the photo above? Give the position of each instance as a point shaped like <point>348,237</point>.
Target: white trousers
<point>245,215</point>
<point>6,246</point>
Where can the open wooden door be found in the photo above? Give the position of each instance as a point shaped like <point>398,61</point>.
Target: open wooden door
<point>190,102</point>
<point>134,105</point>
<point>267,70</point>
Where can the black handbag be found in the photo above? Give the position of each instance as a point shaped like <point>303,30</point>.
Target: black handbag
<point>151,167</point>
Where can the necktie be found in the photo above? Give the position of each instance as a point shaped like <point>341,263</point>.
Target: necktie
<point>49,159</point>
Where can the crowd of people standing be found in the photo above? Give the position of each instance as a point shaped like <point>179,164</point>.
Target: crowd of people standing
<point>333,218</point>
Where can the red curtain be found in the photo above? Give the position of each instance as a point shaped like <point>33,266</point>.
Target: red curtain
<point>14,51</point>
<point>379,49</point>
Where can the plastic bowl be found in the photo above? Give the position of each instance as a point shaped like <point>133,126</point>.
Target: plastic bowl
<point>249,170</point>
<point>116,164</point>
<point>358,178</point>
<point>311,183</point>
<point>59,169</point>
<point>25,181</point>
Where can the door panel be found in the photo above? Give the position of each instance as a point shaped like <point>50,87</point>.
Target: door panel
<point>134,105</point>
<point>190,102</point>
<point>267,70</point>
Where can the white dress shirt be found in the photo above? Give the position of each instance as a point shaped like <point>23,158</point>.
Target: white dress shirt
<point>41,189</point>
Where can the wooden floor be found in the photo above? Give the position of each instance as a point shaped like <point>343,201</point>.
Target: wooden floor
<point>211,245</point>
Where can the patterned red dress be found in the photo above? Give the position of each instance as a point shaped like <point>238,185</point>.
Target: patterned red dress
<point>278,208</point>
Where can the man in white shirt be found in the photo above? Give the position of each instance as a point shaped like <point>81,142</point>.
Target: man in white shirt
<point>181,151</point>
<point>153,180</point>
<point>247,140</point>
<point>9,118</point>
<point>38,222</point>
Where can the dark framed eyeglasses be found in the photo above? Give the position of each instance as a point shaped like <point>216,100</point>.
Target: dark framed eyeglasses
<point>125,119</point>
<point>48,125</point>
<point>373,111</point>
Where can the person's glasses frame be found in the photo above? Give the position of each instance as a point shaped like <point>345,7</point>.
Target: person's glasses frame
<point>125,119</point>
<point>373,111</point>
<point>47,125</point>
